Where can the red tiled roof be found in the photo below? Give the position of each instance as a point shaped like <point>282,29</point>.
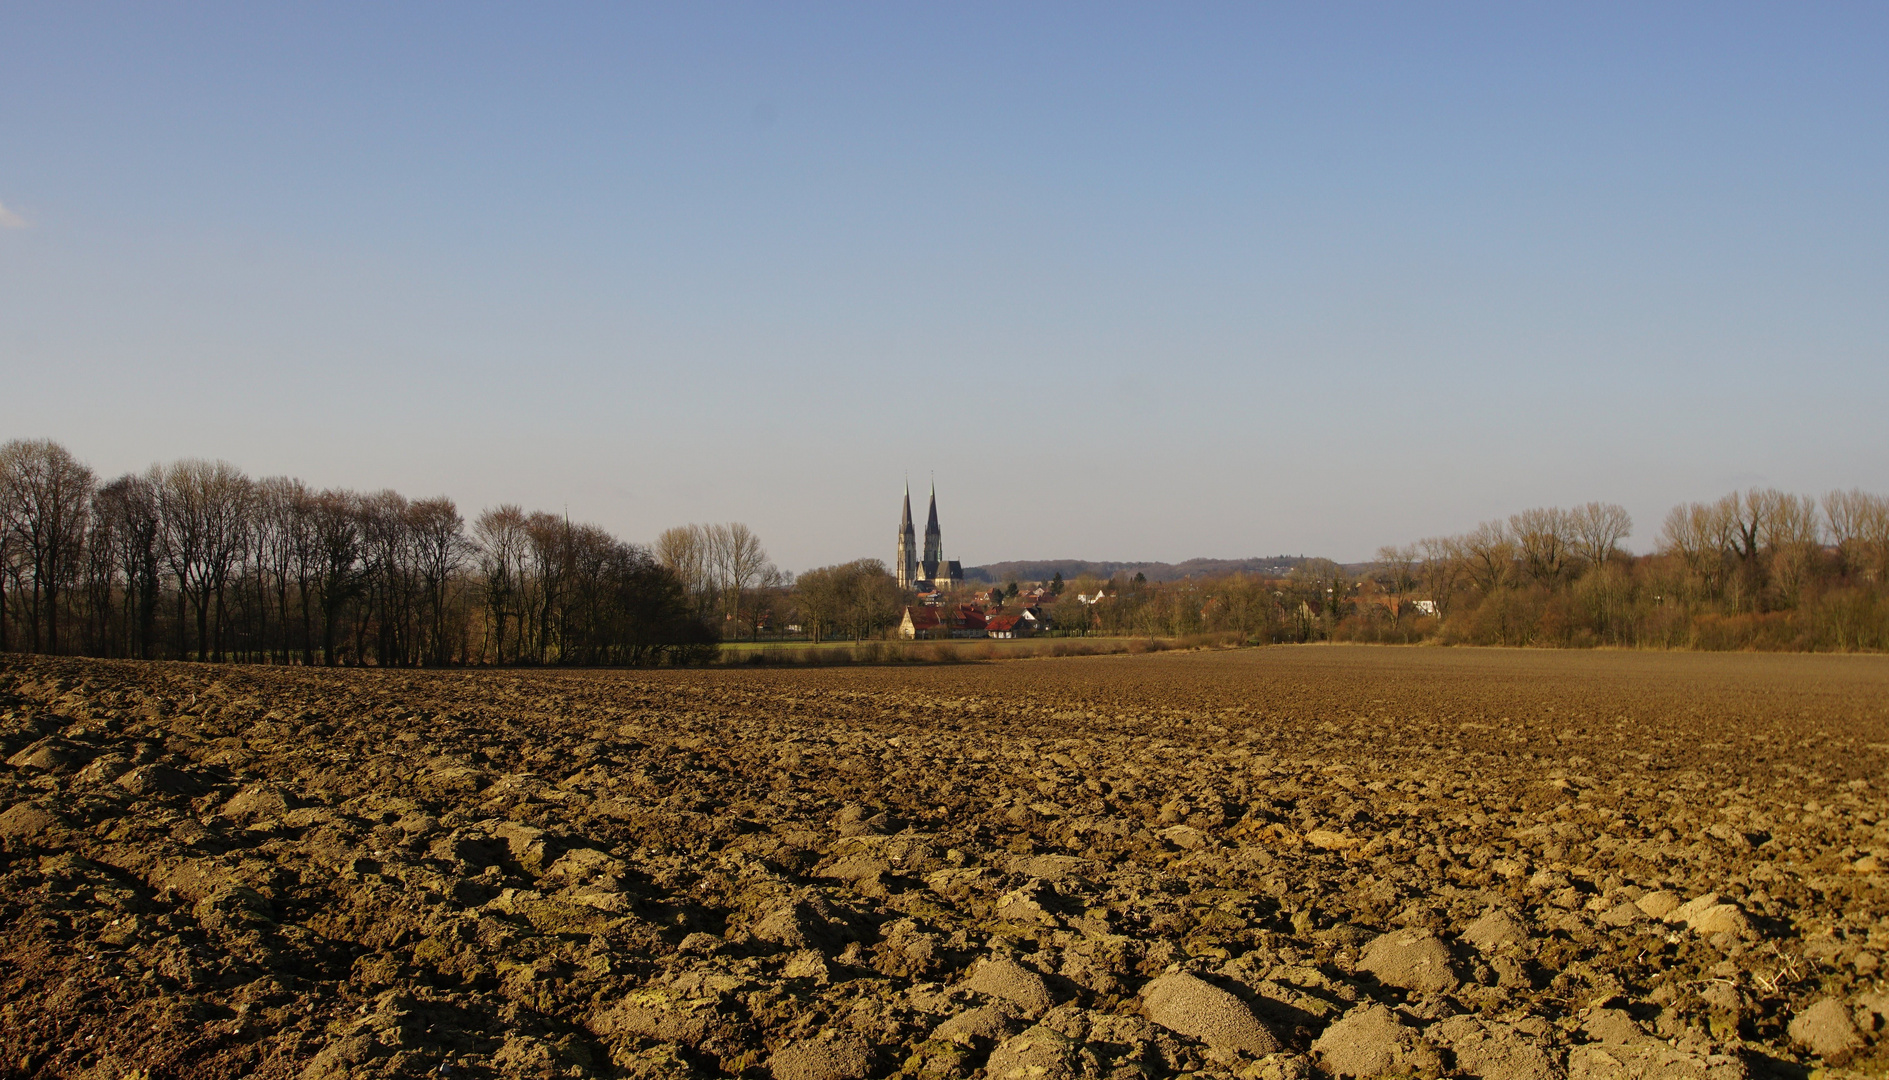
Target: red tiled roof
<point>1004,622</point>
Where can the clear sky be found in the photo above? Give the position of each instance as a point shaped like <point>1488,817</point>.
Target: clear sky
<point>1135,282</point>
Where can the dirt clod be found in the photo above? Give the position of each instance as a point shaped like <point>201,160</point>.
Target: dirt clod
<point>1190,1006</point>
<point>1412,959</point>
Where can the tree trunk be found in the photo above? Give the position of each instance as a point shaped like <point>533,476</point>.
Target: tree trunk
<point>203,623</point>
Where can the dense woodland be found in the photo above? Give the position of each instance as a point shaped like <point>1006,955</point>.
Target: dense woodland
<point>195,560</point>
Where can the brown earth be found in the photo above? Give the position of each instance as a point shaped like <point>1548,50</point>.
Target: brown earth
<point>1287,862</point>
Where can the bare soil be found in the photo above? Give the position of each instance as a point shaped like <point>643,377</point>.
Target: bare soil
<point>1285,862</point>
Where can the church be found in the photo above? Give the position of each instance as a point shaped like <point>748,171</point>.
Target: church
<point>930,571</point>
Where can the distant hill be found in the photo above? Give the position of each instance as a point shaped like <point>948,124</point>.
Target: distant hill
<point>1045,569</point>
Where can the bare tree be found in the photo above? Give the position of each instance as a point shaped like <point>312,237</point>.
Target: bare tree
<point>1874,534</point>
<point>748,573</point>
<point>440,548</point>
<point>1770,535</point>
<point>1445,565</point>
<point>1788,521</point>
<point>1701,535</point>
<point>550,551</point>
<point>1596,530</point>
<point>740,564</point>
<point>1543,536</point>
<point>1744,515</point>
<point>11,569</point>
<point>684,550</point>
<point>719,565</point>
<point>46,497</point>
<point>1792,536</point>
<point>127,529</point>
<point>279,500</point>
<point>305,560</point>
<point>204,507</point>
<point>335,537</point>
<point>502,545</point>
<point>1859,524</point>
<point>1489,556</point>
<point>391,575</point>
<point>578,595</point>
<point>580,622</point>
<point>1844,513</point>
<point>1398,571</point>
<point>102,633</point>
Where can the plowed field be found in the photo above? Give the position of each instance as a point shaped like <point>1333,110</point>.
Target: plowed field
<point>1287,862</point>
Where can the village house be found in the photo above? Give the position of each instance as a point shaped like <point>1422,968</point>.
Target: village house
<point>969,623</point>
<point>920,622</point>
<point>924,622</point>
<point>1006,627</point>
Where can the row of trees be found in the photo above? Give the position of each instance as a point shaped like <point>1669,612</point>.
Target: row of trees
<point>1754,569</point>
<point>1550,546</point>
<point>1759,568</point>
<point>194,559</point>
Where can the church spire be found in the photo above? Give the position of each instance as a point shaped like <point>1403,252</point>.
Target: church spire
<point>934,538</point>
<point>908,545</point>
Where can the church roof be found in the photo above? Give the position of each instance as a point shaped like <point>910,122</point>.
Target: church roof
<point>905,520</point>
<point>931,526</point>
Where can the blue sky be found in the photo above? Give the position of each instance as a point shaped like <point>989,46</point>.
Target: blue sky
<point>1134,282</point>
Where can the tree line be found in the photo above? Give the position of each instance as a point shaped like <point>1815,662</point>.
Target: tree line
<point>196,560</point>
<point>1754,569</point>
<point>1760,568</point>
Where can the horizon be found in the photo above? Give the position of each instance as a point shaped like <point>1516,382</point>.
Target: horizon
<point>1147,285</point>
<point>1502,520</point>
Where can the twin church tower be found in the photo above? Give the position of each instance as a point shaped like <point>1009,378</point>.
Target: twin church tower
<point>931,571</point>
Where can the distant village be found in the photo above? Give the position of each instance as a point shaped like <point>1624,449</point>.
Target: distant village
<point>996,612</point>
<point>993,614</point>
